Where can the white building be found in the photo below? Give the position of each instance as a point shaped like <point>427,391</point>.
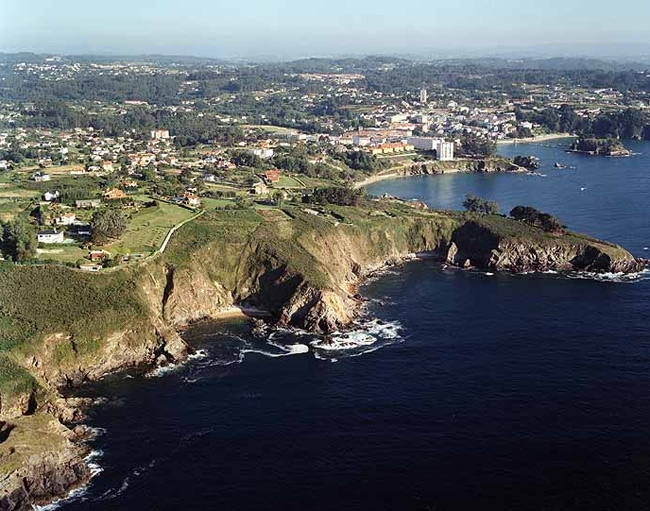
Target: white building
<point>50,196</point>
<point>444,150</point>
<point>159,134</point>
<point>423,96</point>
<point>360,141</point>
<point>41,177</point>
<point>262,152</point>
<point>50,236</point>
<point>66,219</point>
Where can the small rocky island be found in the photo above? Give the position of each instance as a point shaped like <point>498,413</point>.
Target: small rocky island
<point>599,147</point>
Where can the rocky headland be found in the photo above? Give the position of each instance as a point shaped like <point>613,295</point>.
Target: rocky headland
<point>62,327</point>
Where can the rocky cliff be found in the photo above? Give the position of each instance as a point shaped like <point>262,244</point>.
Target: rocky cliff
<point>303,267</point>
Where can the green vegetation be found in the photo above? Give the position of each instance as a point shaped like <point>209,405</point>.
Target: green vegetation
<point>147,228</point>
<point>106,225</point>
<point>19,240</point>
<point>532,216</point>
<point>335,195</point>
<point>473,145</point>
<point>599,146</point>
<point>475,204</point>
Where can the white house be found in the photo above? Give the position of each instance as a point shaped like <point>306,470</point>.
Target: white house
<point>50,236</point>
<point>41,177</point>
<point>50,196</point>
<point>66,219</point>
<point>262,152</point>
<point>444,150</point>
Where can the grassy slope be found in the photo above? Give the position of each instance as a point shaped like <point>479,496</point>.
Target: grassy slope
<point>234,248</point>
<point>41,300</point>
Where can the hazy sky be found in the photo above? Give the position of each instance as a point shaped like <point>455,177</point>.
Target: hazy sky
<point>296,28</point>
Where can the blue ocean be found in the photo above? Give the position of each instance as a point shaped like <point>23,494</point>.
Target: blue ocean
<point>459,390</point>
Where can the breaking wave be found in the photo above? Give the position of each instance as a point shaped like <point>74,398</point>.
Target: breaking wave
<point>619,278</point>
<point>367,336</point>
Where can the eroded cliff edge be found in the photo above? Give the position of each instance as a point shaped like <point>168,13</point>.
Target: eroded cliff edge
<point>61,327</point>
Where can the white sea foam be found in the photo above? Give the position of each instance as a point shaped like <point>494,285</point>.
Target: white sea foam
<point>619,278</point>
<point>281,350</point>
<point>78,493</point>
<point>367,337</point>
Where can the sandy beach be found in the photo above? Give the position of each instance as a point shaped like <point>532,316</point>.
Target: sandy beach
<point>538,138</point>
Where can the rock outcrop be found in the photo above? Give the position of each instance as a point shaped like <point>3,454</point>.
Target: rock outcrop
<point>303,270</point>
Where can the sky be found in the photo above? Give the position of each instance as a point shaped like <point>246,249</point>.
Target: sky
<point>291,28</point>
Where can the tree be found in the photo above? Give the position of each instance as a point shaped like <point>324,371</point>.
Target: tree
<point>491,207</point>
<point>475,204</point>
<point>278,198</point>
<point>19,240</point>
<point>478,146</point>
<point>107,224</point>
<point>536,218</point>
<point>338,195</point>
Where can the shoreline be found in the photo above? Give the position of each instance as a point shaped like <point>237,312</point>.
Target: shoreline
<point>537,138</point>
<point>399,175</point>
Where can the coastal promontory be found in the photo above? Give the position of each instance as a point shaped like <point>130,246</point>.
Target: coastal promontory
<point>300,264</point>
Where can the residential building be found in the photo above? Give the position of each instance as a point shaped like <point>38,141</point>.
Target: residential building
<point>114,194</point>
<point>87,203</point>
<point>41,177</point>
<point>50,236</point>
<point>272,176</point>
<point>260,189</point>
<point>66,219</point>
<point>159,134</point>
<point>50,196</point>
<point>191,200</point>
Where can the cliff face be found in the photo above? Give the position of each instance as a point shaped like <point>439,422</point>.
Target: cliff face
<point>45,463</point>
<point>482,243</point>
<point>302,268</point>
<point>494,164</point>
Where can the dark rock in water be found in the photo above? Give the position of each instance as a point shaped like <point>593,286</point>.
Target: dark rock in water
<point>260,328</point>
<point>528,162</point>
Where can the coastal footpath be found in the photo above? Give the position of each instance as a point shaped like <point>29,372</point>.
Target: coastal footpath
<point>61,327</point>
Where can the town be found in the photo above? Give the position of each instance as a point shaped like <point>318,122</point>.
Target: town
<point>100,178</point>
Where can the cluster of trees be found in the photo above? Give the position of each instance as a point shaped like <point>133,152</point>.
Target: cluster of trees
<point>106,225</point>
<point>601,146</point>
<point>499,76</point>
<point>19,240</point>
<point>18,154</point>
<point>360,160</point>
<point>338,195</point>
<point>534,217</point>
<point>630,123</point>
<point>475,204</point>
<point>188,129</point>
<point>474,145</point>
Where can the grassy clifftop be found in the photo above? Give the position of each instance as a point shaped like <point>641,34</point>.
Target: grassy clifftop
<point>62,326</point>
<point>264,257</point>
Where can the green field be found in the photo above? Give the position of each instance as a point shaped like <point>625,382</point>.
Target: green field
<point>65,253</point>
<point>209,203</point>
<point>288,182</point>
<point>147,229</point>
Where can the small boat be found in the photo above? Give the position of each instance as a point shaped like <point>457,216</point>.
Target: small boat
<point>559,165</point>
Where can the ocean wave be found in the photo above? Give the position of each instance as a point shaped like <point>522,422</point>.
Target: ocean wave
<point>367,336</point>
<point>281,350</point>
<point>617,278</point>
